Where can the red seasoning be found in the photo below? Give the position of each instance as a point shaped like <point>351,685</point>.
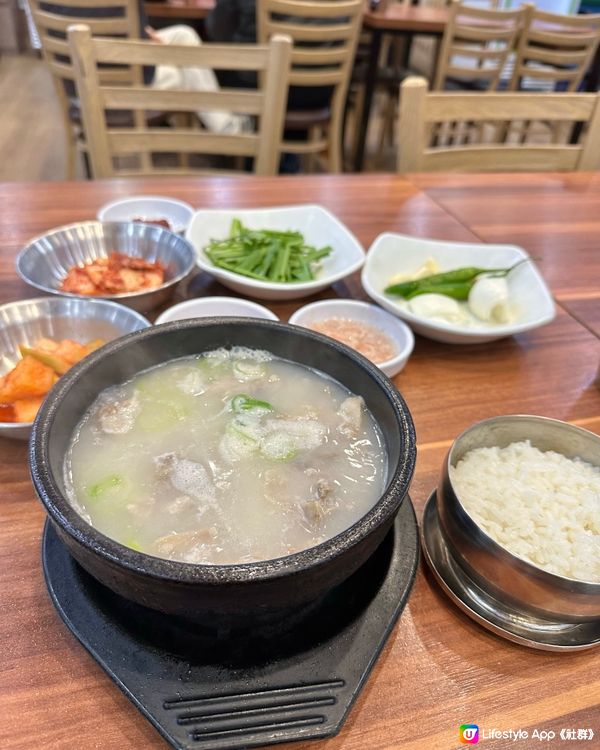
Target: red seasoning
<point>159,222</point>
<point>116,274</point>
<point>366,339</point>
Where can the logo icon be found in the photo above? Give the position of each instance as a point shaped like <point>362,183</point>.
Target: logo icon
<point>468,734</point>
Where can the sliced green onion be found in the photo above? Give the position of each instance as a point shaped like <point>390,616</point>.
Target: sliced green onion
<point>266,255</point>
<point>247,403</point>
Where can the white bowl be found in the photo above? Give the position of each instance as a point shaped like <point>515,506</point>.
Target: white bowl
<point>391,254</point>
<point>75,318</point>
<point>318,226</point>
<point>372,315</point>
<point>206,307</point>
<point>177,213</point>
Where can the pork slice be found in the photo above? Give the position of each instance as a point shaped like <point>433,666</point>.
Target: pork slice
<point>117,416</point>
<point>350,412</point>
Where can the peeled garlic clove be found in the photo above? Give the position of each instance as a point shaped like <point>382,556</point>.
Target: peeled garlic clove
<point>488,300</point>
<point>427,269</point>
<point>437,306</point>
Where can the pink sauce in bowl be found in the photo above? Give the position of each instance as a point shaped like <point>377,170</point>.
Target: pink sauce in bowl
<point>366,339</point>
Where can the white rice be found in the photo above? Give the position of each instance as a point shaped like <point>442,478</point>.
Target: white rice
<point>539,505</point>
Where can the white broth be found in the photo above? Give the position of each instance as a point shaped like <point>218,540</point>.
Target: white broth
<point>228,457</point>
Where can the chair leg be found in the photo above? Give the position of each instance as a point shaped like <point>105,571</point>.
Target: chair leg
<point>183,121</point>
<point>559,132</point>
<point>71,156</point>
<point>335,146</point>
<point>87,169</point>
<point>383,123</point>
<point>359,103</point>
<point>525,126</point>
<point>392,114</point>
<point>386,131</point>
<point>314,134</point>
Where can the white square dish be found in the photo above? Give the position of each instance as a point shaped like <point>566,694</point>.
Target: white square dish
<point>319,227</point>
<point>392,254</point>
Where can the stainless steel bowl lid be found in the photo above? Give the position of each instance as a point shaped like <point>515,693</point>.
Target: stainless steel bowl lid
<point>500,617</point>
<point>45,261</point>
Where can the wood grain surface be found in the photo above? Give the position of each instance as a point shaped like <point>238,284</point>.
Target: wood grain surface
<point>423,19</point>
<point>395,17</point>
<point>438,669</point>
<point>555,217</point>
<point>179,9</point>
<point>586,310</point>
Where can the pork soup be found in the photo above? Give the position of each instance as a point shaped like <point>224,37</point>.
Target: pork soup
<point>229,457</point>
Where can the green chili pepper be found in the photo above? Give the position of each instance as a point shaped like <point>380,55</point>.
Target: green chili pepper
<point>457,290</point>
<point>97,490</point>
<point>456,283</point>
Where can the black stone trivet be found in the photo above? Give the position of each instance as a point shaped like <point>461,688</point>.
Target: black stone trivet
<point>214,690</point>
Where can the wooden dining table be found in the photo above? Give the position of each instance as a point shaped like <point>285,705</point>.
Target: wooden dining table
<point>178,10</point>
<point>439,669</point>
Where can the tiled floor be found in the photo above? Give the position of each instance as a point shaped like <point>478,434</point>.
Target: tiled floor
<point>31,132</point>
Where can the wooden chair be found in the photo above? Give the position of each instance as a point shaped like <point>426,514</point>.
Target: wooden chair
<point>392,69</point>
<point>109,146</point>
<point>421,111</point>
<point>119,18</point>
<point>325,34</point>
<point>476,45</point>
<point>555,48</point>
<point>554,51</point>
<point>461,19</point>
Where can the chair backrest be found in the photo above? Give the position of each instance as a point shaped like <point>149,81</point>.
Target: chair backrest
<point>108,146</point>
<point>325,34</point>
<point>421,111</point>
<point>476,44</point>
<point>555,48</point>
<point>118,18</point>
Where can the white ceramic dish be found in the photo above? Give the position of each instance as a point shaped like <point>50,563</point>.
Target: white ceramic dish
<point>372,315</point>
<point>391,254</point>
<point>177,213</point>
<point>82,319</point>
<point>205,307</point>
<point>318,226</point>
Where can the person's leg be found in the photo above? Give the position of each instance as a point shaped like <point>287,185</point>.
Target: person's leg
<point>195,79</point>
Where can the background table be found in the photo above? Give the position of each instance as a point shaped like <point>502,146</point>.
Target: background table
<point>395,18</point>
<point>399,19</point>
<point>438,669</point>
<point>179,10</point>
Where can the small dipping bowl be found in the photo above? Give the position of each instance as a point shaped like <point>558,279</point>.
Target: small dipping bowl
<point>505,575</point>
<point>206,307</point>
<point>138,207</point>
<point>362,312</point>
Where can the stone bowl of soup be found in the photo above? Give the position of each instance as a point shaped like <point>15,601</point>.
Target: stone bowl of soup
<point>226,470</point>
